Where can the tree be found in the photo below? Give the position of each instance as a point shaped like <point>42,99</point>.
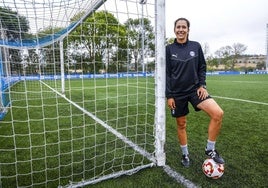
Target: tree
<point>134,33</point>
<point>169,40</point>
<point>15,25</point>
<point>100,39</point>
<point>238,50</point>
<point>211,63</point>
<point>229,54</point>
<point>45,57</point>
<point>260,65</point>
<point>224,53</point>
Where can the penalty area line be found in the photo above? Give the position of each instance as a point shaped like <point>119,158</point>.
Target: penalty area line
<point>178,177</point>
<point>241,100</point>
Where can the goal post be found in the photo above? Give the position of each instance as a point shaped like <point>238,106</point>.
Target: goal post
<point>86,90</point>
<point>160,76</point>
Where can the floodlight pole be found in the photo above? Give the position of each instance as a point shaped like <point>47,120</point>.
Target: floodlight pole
<point>267,48</point>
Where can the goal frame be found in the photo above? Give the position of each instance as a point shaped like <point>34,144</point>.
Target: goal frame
<point>159,157</point>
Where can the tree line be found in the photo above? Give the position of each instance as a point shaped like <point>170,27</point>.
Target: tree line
<point>99,43</point>
<point>227,56</point>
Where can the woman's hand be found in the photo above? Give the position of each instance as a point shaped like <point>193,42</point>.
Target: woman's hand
<point>202,93</point>
<point>171,103</point>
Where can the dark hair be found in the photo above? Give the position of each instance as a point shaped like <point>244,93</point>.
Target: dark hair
<point>187,22</point>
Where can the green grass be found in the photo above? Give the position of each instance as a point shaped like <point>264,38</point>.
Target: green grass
<point>46,141</point>
<point>242,142</point>
<point>243,139</point>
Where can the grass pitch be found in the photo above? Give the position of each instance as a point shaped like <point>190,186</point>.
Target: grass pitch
<point>242,142</point>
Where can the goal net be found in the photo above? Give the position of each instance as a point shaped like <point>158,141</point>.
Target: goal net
<point>82,90</point>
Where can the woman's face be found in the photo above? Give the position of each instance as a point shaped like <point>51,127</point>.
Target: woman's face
<point>181,31</point>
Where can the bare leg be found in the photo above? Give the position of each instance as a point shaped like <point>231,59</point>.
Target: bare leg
<point>216,114</point>
<point>181,128</point>
<point>182,137</point>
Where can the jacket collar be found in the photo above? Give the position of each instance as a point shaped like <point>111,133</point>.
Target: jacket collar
<point>175,41</point>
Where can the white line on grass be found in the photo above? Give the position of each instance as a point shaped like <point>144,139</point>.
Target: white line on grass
<point>250,82</point>
<point>178,177</point>
<point>242,100</point>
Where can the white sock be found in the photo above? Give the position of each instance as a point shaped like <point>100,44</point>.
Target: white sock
<point>210,145</point>
<point>184,149</point>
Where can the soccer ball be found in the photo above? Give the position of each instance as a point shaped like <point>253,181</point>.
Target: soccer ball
<point>212,169</point>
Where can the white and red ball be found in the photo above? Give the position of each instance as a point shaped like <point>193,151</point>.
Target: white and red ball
<point>212,169</point>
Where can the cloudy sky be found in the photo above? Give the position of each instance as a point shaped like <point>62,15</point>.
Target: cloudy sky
<point>222,22</point>
<point>217,23</point>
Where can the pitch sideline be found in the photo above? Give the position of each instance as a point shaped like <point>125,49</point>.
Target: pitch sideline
<point>241,100</point>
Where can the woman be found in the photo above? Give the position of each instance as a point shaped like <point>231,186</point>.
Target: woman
<point>186,82</point>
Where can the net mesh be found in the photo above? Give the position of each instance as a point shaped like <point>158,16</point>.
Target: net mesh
<point>77,91</point>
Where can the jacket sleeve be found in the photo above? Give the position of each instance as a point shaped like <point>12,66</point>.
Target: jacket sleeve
<point>168,74</point>
<point>202,67</point>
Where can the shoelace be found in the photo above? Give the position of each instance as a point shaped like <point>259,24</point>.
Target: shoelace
<point>212,153</point>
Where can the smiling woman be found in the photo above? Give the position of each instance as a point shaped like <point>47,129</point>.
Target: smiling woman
<point>186,83</point>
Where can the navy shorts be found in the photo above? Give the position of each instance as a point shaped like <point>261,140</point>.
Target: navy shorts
<point>182,104</point>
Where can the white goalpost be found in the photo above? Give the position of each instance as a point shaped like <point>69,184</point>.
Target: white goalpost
<point>82,90</point>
